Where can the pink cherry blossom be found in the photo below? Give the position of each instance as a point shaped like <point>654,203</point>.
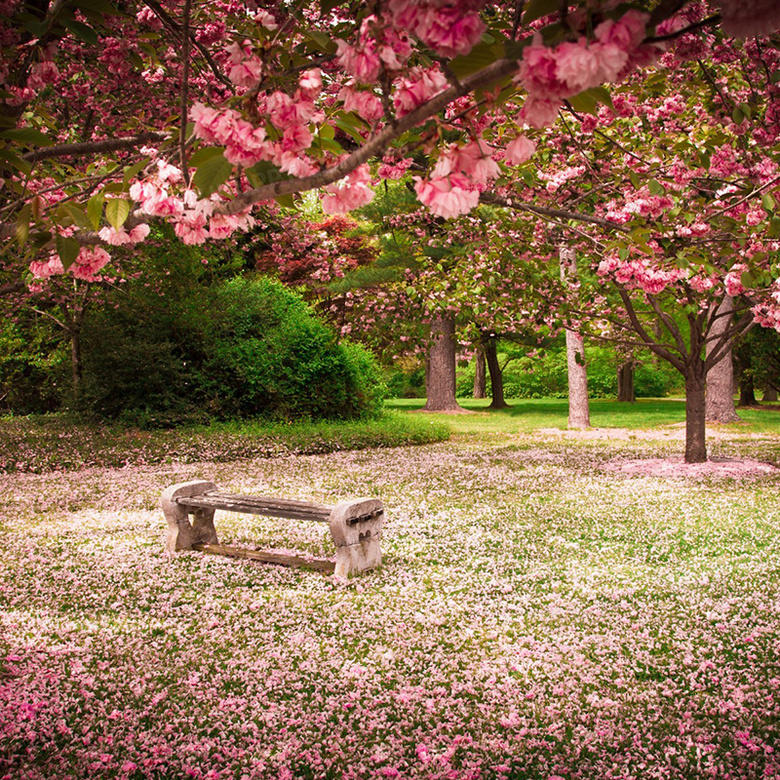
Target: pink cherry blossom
<point>365,104</point>
<point>89,261</point>
<point>519,150</point>
<point>448,196</point>
<point>418,87</point>
<point>350,193</point>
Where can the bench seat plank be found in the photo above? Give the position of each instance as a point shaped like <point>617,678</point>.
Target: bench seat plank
<point>293,561</point>
<point>259,505</point>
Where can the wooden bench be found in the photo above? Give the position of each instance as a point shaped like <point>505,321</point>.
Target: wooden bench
<point>356,526</point>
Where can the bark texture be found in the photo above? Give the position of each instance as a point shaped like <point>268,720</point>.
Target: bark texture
<point>496,375</point>
<point>480,375</point>
<point>625,377</point>
<point>579,410</point>
<point>440,368</point>
<point>695,420</point>
<point>719,404</point>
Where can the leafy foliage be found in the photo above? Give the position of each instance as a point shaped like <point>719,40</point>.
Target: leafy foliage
<point>239,348</point>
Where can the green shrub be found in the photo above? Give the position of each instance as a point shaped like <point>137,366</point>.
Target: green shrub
<point>34,365</point>
<point>236,349</point>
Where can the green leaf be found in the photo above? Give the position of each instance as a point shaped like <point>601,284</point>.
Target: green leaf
<point>211,174</point>
<point>286,200</point>
<point>345,123</point>
<point>737,115</point>
<point>15,161</point>
<point>602,94</point>
<point>27,135</point>
<point>331,146</point>
<point>479,57</point>
<point>82,31</point>
<point>747,280</point>
<point>95,209</point>
<point>23,224</point>
<point>205,153</point>
<point>265,172</point>
<point>76,214</point>
<point>68,250</point>
<point>117,211</point>
<point>655,187</point>
<point>774,227</point>
<point>536,9</point>
<point>133,170</point>
<point>768,202</point>
<point>585,102</point>
<point>322,41</point>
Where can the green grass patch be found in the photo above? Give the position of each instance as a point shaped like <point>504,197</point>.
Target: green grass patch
<point>527,415</point>
<point>61,442</point>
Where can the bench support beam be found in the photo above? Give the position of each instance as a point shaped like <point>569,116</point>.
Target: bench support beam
<point>181,533</point>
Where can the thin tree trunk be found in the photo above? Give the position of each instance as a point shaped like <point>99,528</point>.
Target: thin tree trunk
<point>440,373</point>
<point>579,411</point>
<point>480,376</point>
<point>719,405</point>
<point>770,395</point>
<point>695,418</point>
<point>76,364</point>
<point>625,377</point>
<point>496,375</point>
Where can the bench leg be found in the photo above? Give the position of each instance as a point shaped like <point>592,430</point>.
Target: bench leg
<point>181,534</point>
<point>357,541</point>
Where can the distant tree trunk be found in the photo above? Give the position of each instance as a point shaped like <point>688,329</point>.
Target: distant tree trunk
<point>440,367</point>
<point>747,391</point>
<point>579,411</point>
<point>625,377</point>
<point>719,404</point>
<point>770,395</point>
<point>695,418</point>
<point>496,375</point>
<point>76,365</point>
<point>480,376</point>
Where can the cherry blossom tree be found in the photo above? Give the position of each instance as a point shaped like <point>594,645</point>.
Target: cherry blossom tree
<point>201,114</point>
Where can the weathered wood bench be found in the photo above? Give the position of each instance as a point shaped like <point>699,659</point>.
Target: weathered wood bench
<point>356,526</point>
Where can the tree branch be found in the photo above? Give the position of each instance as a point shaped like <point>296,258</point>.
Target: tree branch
<point>498,200</point>
<point>376,145</point>
<point>94,147</point>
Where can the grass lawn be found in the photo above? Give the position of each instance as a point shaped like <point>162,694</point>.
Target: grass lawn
<point>538,614</point>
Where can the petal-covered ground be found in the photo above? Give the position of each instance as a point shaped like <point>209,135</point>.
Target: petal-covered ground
<point>538,615</point>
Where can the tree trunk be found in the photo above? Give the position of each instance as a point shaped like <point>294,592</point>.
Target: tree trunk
<point>719,404</point>
<point>747,391</point>
<point>695,418</point>
<point>579,411</point>
<point>625,377</point>
<point>76,365</point>
<point>440,370</point>
<point>770,395</point>
<point>480,377</point>
<point>496,375</point>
